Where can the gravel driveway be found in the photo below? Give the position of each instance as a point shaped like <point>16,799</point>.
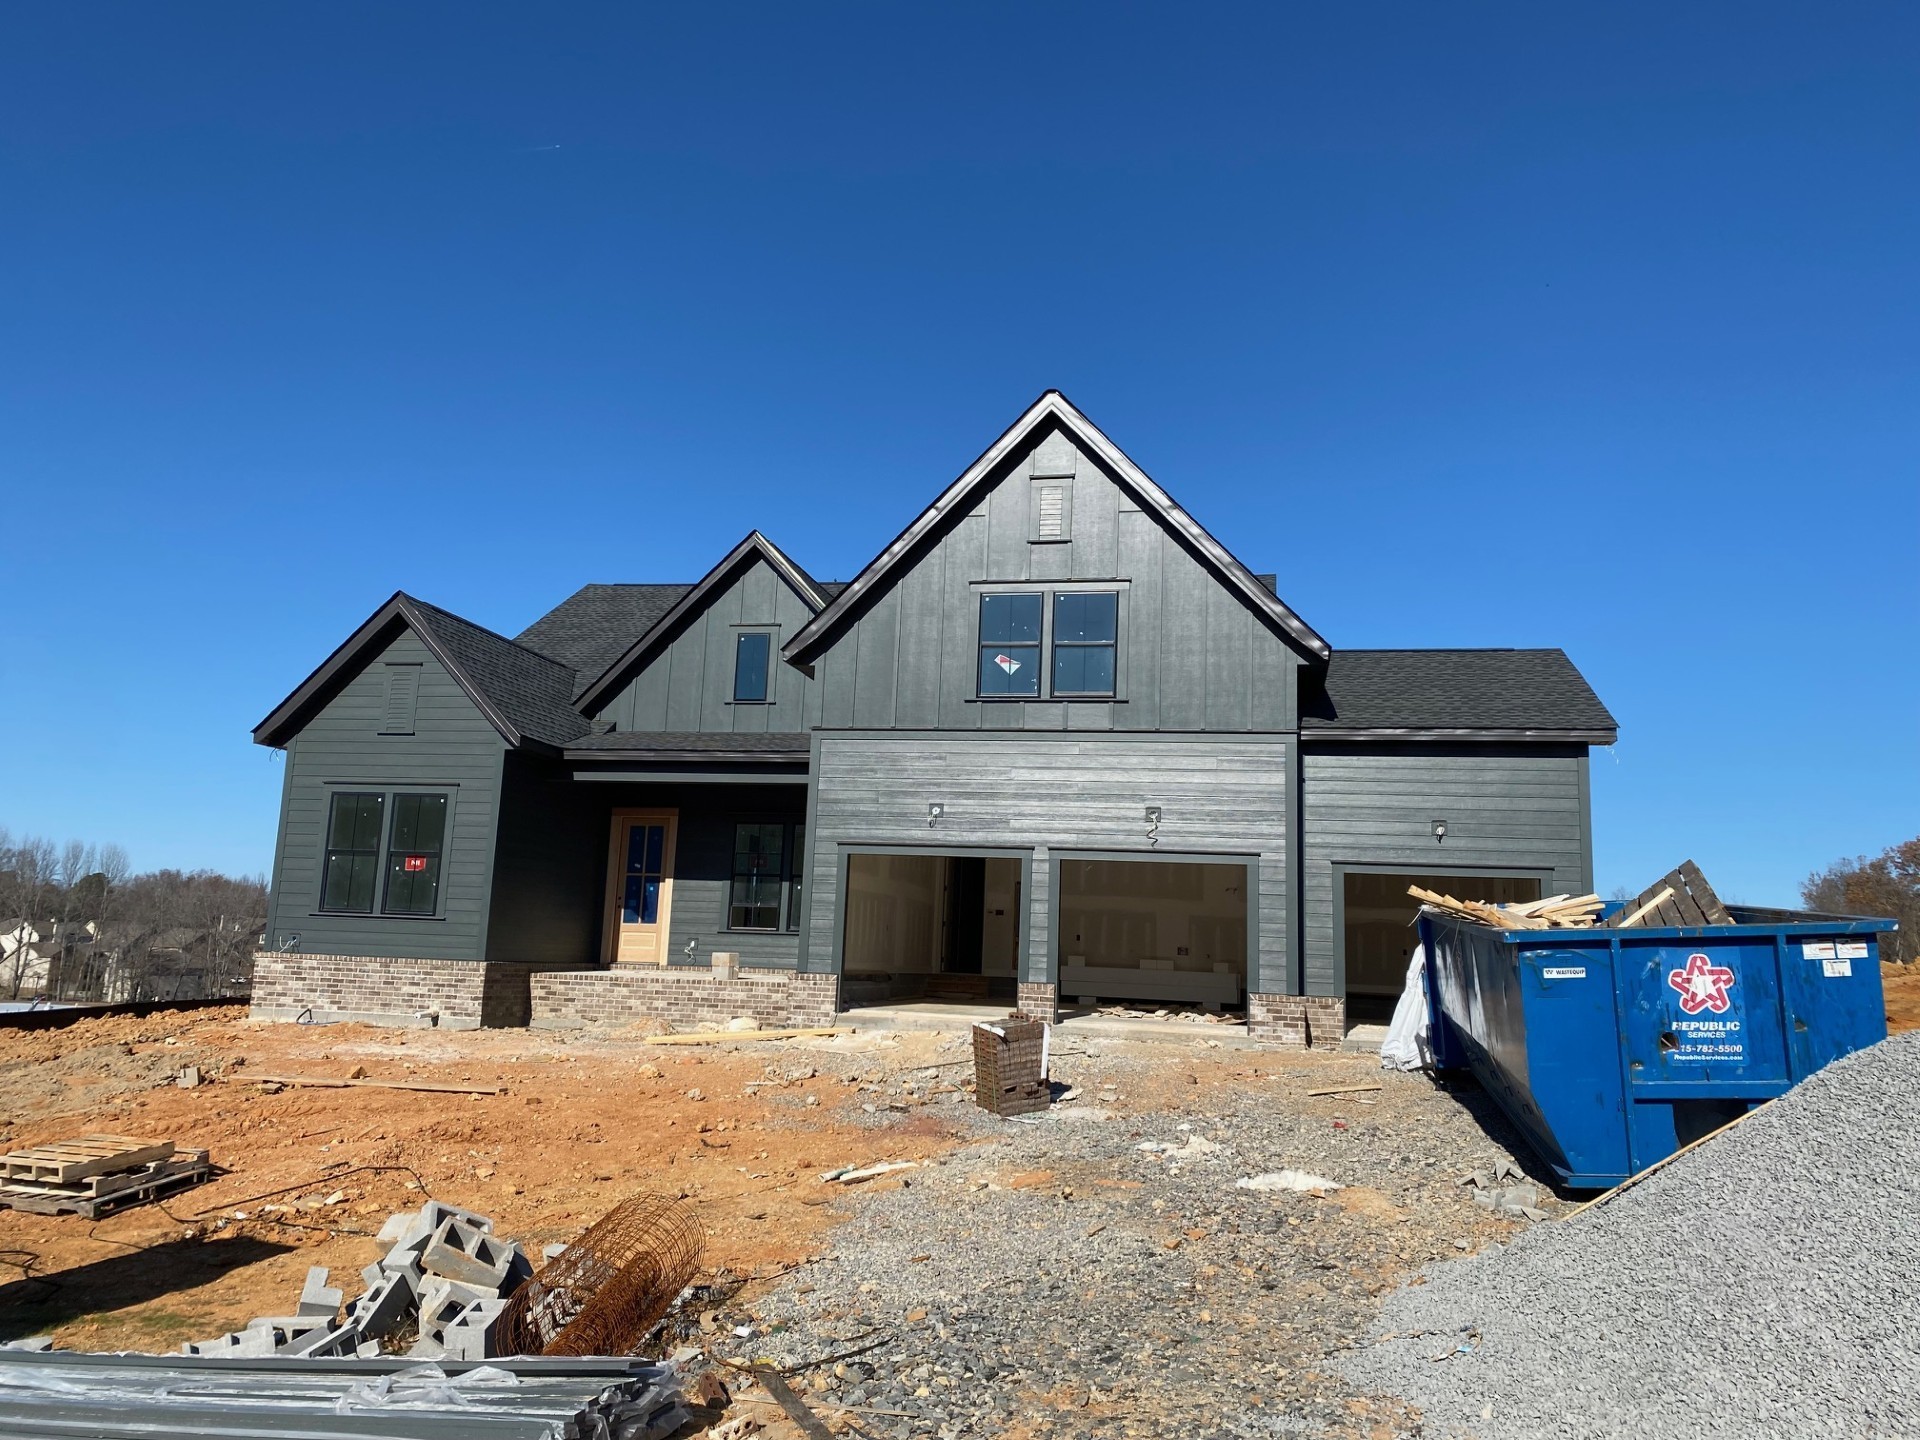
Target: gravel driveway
<point>1097,1272</point>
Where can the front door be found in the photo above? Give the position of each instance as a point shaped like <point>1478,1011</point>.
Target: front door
<point>642,885</point>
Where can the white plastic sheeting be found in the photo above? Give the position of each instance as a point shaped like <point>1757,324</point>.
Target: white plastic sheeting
<point>1406,1046</point>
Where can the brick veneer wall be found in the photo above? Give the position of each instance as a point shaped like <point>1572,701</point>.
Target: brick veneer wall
<point>1040,1002</point>
<point>682,996</point>
<point>382,990</point>
<point>1294,1022</point>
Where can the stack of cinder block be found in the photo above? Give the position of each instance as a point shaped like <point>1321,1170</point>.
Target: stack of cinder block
<point>444,1270</point>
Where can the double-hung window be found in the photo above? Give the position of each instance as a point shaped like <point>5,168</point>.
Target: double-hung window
<point>752,655</point>
<point>400,835</point>
<point>1009,645</point>
<point>766,886</point>
<point>1085,625</point>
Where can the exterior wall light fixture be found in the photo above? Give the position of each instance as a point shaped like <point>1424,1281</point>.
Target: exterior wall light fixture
<point>1153,824</point>
<point>934,811</point>
<point>1439,830</point>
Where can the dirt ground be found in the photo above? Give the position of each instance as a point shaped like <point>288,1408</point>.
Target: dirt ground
<point>1902,986</point>
<point>583,1121</point>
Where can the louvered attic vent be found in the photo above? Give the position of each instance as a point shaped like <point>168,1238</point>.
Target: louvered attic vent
<point>1053,512</point>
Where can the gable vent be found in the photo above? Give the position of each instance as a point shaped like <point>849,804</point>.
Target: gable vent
<point>403,695</point>
<point>1053,513</point>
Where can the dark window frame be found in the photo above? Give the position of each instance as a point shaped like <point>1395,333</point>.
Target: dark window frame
<point>435,854</point>
<point>790,879</point>
<point>1038,645</point>
<point>383,853</point>
<point>1055,645</point>
<point>765,697</point>
<point>330,853</point>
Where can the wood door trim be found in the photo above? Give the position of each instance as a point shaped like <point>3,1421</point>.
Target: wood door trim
<point>616,873</point>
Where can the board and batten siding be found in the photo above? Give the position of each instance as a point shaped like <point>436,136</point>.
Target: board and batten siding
<point>1511,808</point>
<point>1048,794</point>
<point>1191,655</point>
<point>688,685</point>
<point>452,747</point>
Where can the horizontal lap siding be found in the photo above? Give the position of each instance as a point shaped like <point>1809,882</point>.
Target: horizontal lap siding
<point>1023,792</point>
<point>454,746</point>
<point>1512,811</point>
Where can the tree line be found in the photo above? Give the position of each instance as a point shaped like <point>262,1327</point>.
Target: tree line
<point>77,924</point>
<point>1887,885</point>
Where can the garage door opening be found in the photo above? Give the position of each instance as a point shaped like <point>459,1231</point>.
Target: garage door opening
<point>1155,931</point>
<point>930,927</point>
<point>1380,933</point>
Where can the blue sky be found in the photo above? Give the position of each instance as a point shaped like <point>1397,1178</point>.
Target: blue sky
<point>1480,325</point>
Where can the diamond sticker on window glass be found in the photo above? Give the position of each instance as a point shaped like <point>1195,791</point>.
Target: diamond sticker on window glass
<point>1006,663</point>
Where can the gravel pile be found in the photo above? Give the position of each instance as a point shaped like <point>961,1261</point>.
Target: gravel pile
<point>1099,1272</point>
<point>1761,1285</point>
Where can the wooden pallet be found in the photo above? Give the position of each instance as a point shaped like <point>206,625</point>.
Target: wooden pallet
<point>96,1195</point>
<point>1681,898</point>
<point>66,1161</point>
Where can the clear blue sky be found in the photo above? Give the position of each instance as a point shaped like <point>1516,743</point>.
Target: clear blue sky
<point>1480,325</point>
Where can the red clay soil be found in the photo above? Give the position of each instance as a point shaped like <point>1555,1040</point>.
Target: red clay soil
<point>582,1122</point>
<point>1902,986</point>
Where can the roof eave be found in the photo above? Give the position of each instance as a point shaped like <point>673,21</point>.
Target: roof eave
<point>814,635</point>
<point>683,757</point>
<point>1575,736</point>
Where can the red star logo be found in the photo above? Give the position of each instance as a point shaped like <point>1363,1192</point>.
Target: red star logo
<point>1703,985</point>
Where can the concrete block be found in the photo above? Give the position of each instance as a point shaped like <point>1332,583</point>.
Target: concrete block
<point>372,1275</point>
<point>317,1298</point>
<point>406,1254</point>
<point>436,1213</point>
<point>387,1305</point>
<point>367,1350</point>
<point>443,1301</point>
<point>398,1227</point>
<point>461,1252</point>
<point>331,1341</point>
<point>426,1349</point>
<point>471,1334</point>
<point>553,1251</point>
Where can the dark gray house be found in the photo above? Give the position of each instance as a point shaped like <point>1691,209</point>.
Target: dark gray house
<point>1054,744</point>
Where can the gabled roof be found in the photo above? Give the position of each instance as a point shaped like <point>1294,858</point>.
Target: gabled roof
<point>523,694</point>
<point>755,547</point>
<point>1433,694</point>
<point>591,627</point>
<point>959,496</point>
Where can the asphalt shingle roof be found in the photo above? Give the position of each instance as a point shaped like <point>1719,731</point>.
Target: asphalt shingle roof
<point>593,627</point>
<point>534,692</point>
<point>777,742</point>
<point>1452,690</point>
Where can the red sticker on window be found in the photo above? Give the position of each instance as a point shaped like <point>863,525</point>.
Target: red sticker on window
<point>414,863</point>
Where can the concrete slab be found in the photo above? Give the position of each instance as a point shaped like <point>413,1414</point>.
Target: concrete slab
<point>958,1017</point>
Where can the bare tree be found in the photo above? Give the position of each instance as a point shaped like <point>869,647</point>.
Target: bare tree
<point>1887,884</point>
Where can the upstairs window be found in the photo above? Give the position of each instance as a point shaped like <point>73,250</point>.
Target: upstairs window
<point>752,653</point>
<point>1009,645</point>
<point>1084,628</point>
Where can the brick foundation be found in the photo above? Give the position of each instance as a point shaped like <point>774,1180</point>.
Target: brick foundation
<point>1041,1002</point>
<point>684,996</point>
<point>382,990</point>
<point>1293,1022</point>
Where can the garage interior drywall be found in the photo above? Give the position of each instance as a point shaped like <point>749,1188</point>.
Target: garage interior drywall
<point>913,917</point>
<point>1162,930</point>
<point>1380,933</point>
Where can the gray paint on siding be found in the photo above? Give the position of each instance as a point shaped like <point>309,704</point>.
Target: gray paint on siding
<point>1194,657</point>
<point>1506,808</point>
<point>688,686</point>
<point>1045,792</point>
<point>453,745</point>
<point>550,866</point>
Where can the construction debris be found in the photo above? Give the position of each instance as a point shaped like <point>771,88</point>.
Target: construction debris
<point>330,1082</point>
<point>608,1289</point>
<point>1556,912</point>
<point>1681,898</point>
<point>1286,1180</point>
<point>1010,1066</point>
<point>1501,1189</point>
<point>95,1175</point>
<point>727,1037</point>
<point>119,1397</point>
<point>446,1274</point>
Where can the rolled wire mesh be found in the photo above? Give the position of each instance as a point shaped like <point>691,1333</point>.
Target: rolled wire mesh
<point>608,1289</point>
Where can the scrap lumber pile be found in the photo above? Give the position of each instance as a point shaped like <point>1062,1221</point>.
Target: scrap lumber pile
<point>151,1397</point>
<point>1556,912</point>
<point>458,1290</point>
<point>95,1175</point>
<point>1681,898</point>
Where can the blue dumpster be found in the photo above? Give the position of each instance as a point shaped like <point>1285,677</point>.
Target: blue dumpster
<point>1610,1049</point>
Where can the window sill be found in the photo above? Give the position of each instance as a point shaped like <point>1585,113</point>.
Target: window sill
<point>746,702</point>
<point>735,930</point>
<point>1044,699</point>
<point>368,915</point>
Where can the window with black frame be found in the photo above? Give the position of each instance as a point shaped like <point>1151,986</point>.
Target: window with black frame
<point>1085,628</point>
<point>1009,646</point>
<point>796,864</point>
<point>355,823</point>
<point>752,654</point>
<point>413,854</point>
<point>759,876</point>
